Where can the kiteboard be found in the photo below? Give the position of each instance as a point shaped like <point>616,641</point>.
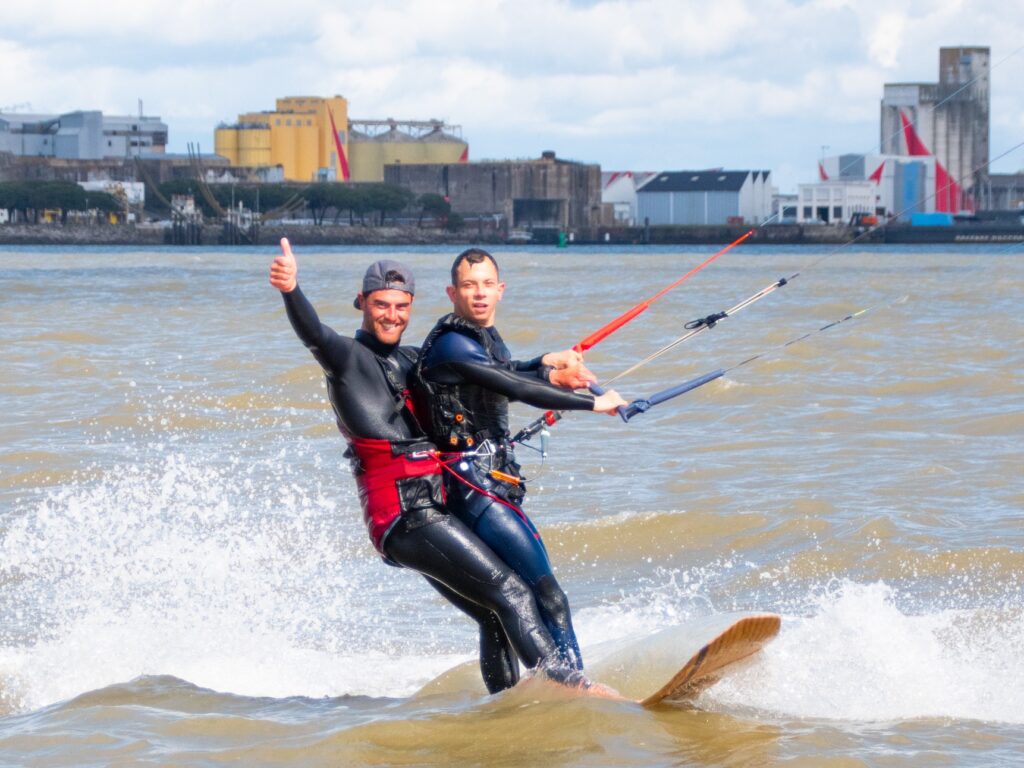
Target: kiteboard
<point>648,670</point>
<point>740,640</point>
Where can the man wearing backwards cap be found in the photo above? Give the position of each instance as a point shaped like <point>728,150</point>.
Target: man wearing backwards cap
<point>399,476</point>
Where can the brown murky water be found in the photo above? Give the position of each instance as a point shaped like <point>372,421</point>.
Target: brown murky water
<point>185,580</point>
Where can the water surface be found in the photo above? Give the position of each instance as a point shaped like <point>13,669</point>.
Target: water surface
<point>185,578</point>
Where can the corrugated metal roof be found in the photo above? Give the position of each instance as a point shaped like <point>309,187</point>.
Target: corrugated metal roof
<point>696,181</point>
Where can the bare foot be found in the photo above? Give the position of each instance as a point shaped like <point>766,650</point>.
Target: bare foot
<point>603,691</point>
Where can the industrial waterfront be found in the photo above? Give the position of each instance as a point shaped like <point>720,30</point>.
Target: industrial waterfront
<point>307,162</point>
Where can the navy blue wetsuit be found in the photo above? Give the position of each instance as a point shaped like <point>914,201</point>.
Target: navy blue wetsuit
<point>465,380</point>
<point>401,501</point>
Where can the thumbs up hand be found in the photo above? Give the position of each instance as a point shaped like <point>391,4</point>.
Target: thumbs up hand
<point>284,270</point>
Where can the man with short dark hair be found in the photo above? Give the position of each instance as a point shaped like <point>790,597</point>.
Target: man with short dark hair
<point>462,385</point>
<point>399,475</point>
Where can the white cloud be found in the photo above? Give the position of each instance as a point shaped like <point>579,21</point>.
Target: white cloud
<point>180,23</point>
<point>619,82</point>
<point>886,39</point>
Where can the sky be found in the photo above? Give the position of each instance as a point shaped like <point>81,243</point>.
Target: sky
<point>629,84</point>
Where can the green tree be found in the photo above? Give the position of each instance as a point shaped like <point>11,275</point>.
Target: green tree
<point>346,198</point>
<point>103,202</point>
<point>388,198</point>
<point>360,203</point>
<point>255,197</point>
<point>267,197</point>
<point>20,196</point>
<point>320,198</point>
<point>30,197</point>
<point>9,198</point>
<point>65,196</point>
<point>436,206</point>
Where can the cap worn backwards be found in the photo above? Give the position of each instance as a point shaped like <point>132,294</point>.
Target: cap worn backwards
<point>376,279</point>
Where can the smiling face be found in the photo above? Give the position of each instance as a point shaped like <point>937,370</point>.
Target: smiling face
<point>386,314</point>
<point>476,292</point>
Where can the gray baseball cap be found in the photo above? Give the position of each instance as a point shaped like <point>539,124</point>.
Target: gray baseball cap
<point>376,276</point>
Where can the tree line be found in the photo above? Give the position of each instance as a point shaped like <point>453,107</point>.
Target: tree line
<point>367,204</point>
<point>25,200</point>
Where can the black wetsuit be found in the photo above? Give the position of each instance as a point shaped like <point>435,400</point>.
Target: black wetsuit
<point>465,380</point>
<point>365,383</point>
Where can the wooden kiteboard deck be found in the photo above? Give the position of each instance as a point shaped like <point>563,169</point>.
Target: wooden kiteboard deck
<point>743,638</point>
<point>710,646</point>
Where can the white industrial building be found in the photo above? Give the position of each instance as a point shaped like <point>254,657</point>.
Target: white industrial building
<point>834,202</point>
<point>705,197</point>
<point>618,189</point>
<point>81,135</point>
<point>899,186</point>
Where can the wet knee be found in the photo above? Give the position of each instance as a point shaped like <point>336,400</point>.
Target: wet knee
<point>553,600</point>
<point>516,593</point>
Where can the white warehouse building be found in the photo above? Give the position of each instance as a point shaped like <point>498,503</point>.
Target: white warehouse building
<point>705,197</point>
<point>618,189</point>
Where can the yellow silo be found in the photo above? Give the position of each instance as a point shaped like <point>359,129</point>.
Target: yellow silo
<point>311,138</point>
<point>254,146</point>
<point>409,142</point>
<point>225,143</point>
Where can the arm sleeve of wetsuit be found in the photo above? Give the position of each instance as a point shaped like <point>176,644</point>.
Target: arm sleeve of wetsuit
<point>456,358</point>
<point>320,339</point>
<point>524,387</point>
<point>535,367</point>
<point>527,365</point>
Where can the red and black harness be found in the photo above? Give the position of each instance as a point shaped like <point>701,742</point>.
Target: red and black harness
<point>386,471</point>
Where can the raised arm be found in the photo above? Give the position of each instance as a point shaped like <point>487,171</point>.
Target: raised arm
<point>320,339</point>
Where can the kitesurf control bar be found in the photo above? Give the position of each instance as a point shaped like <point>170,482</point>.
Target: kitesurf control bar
<point>695,327</point>
<point>550,417</point>
<point>640,406</point>
<point>643,405</point>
